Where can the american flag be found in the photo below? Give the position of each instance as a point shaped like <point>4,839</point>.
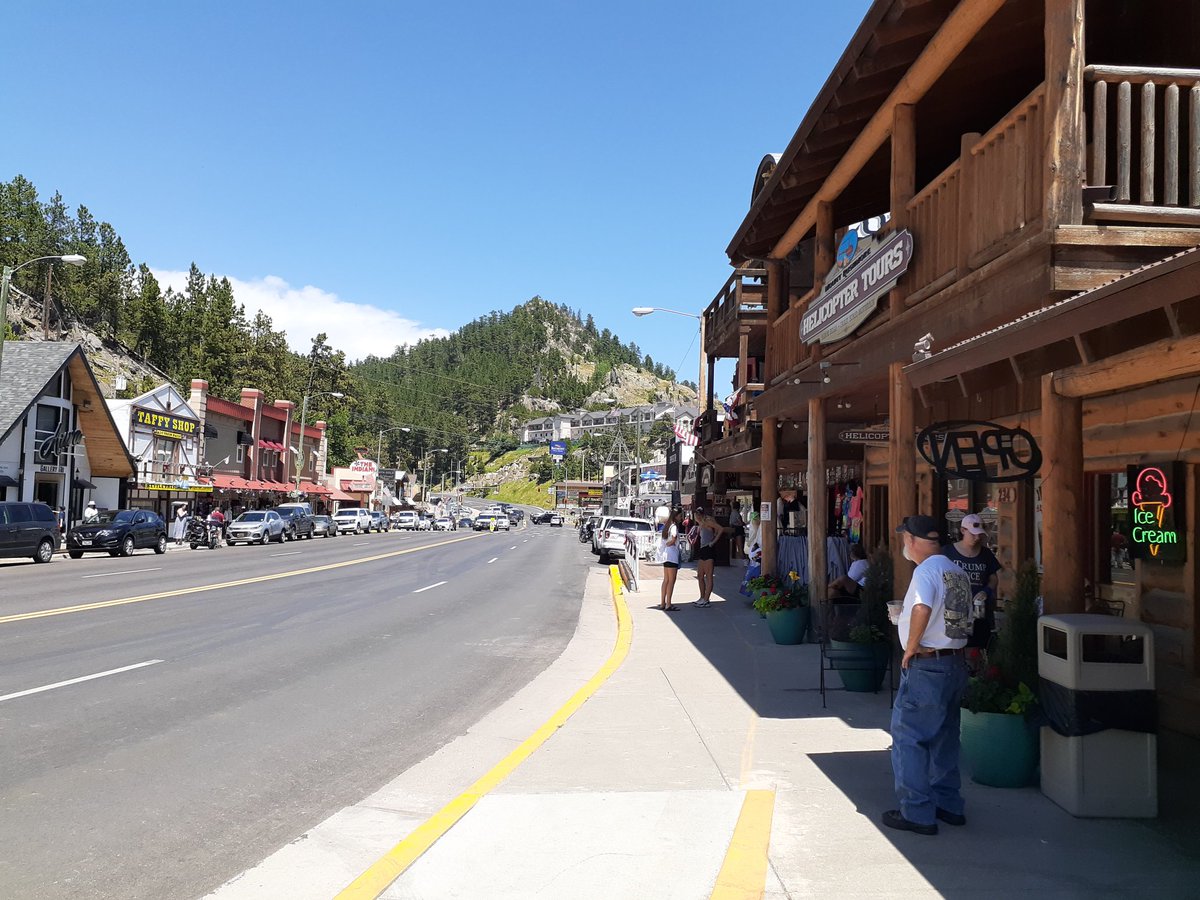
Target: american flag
<point>685,435</point>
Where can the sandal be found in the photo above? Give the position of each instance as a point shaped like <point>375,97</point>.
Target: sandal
<point>671,608</point>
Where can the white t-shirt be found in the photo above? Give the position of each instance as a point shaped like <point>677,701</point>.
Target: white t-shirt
<point>671,552</point>
<point>945,588</point>
<point>858,571</point>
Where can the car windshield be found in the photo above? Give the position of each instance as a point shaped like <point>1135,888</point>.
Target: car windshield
<point>120,515</point>
<point>252,517</point>
<point>347,514</point>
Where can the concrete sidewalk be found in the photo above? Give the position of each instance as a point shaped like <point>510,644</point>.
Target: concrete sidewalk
<point>638,794</point>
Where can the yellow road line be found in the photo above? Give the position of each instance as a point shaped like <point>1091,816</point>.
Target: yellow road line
<point>375,880</point>
<point>743,874</point>
<point>201,588</point>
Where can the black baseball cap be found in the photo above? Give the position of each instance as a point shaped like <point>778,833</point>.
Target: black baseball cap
<point>920,526</point>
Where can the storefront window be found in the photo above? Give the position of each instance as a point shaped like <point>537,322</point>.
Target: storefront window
<point>47,423</point>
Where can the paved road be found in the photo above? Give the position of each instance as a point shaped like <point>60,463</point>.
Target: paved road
<point>262,707</point>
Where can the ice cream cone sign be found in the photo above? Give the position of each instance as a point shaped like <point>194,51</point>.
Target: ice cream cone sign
<point>1151,498</point>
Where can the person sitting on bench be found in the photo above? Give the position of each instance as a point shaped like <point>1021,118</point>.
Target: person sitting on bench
<point>850,583</point>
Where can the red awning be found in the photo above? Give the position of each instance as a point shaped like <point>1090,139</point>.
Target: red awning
<point>341,496</point>
<point>223,482</point>
<point>270,445</point>
<point>310,488</point>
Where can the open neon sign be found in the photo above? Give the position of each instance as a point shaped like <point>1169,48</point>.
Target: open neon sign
<point>1156,515</point>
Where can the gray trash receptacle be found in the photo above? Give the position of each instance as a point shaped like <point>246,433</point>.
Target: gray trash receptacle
<point>1099,752</point>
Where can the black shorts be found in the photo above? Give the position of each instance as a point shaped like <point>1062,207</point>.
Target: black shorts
<point>739,531</point>
<point>670,565</point>
<point>705,553</point>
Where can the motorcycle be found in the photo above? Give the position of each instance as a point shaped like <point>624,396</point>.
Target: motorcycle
<point>203,533</point>
<point>585,533</point>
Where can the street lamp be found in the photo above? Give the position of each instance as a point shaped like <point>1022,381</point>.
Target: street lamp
<point>640,311</point>
<point>425,471</point>
<point>336,395</point>
<point>647,310</point>
<point>71,259</point>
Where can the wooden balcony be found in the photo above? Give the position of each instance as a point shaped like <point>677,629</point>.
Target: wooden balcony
<point>741,302</point>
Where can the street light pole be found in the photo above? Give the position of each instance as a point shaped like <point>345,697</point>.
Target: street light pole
<point>71,259</point>
<point>303,422</point>
<point>702,383</point>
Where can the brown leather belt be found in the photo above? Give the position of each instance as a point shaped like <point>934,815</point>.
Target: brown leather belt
<point>946,652</point>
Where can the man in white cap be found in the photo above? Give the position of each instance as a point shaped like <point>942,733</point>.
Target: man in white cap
<point>91,514</point>
<point>971,554</point>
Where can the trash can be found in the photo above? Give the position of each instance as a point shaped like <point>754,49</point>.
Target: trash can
<point>1097,691</point>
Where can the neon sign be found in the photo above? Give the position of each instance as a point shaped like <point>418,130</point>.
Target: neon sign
<point>1156,517</point>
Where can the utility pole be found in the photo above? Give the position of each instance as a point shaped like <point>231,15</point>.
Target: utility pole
<point>46,302</point>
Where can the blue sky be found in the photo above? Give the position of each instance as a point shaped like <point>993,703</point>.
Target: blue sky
<point>380,170</point>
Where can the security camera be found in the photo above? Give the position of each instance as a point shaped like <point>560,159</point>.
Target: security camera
<point>922,348</point>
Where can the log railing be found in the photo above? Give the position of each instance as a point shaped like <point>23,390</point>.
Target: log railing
<point>1126,159</point>
<point>786,347</point>
<point>739,298</point>
<point>932,217</point>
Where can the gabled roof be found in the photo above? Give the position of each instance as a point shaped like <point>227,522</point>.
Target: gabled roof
<point>25,372</point>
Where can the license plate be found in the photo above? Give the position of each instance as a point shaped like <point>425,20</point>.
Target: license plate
<point>86,543</point>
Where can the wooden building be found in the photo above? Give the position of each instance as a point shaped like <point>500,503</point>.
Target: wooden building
<point>1002,191</point>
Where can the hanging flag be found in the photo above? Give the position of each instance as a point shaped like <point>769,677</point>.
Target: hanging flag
<point>685,436</point>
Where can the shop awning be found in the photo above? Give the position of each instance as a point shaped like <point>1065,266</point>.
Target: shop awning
<point>311,488</point>
<point>341,496</point>
<point>225,482</point>
<point>270,445</point>
<point>7,481</point>
<point>82,483</point>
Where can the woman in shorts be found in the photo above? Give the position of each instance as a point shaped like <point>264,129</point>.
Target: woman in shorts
<point>710,532</point>
<point>670,543</point>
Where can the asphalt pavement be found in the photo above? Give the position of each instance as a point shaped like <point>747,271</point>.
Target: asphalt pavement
<point>168,721</point>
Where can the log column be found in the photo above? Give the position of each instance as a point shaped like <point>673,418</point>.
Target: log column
<point>777,288</point>
<point>1065,131</point>
<point>1063,509</point>
<point>903,184</point>
<point>902,468</point>
<point>818,512</point>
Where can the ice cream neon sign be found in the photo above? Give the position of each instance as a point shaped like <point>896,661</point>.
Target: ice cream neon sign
<point>1154,513</point>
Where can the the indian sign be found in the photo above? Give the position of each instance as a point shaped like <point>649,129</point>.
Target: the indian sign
<point>865,270</point>
<point>165,425</point>
<point>1155,512</point>
<point>979,451</point>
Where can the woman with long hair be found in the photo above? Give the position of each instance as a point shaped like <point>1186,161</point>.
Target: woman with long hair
<point>710,533</point>
<point>672,528</point>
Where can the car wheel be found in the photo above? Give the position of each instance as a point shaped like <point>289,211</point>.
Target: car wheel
<point>127,546</point>
<point>604,557</point>
<point>161,546</point>
<point>75,554</point>
<point>45,551</point>
<point>262,541</point>
<point>118,552</point>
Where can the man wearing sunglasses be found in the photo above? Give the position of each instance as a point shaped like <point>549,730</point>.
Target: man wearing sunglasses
<point>934,625</point>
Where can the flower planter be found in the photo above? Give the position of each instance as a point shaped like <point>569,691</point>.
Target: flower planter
<point>860,666</point>
<point>999,749</point>
<point>789,625</point>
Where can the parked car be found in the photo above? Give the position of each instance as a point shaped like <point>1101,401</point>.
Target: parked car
<point>597,527</point>
<point>353,518</point>
<point>380,522</point>
<point>304,507</point>
<point>425,522</point>
<point>325,526</point>
<point>297,523</point>
<point>408,520</point>
<point>555,521</point>
<point>255,526</point>
<point>28,529</point>
<point>119,532</point>
<point>611,535</point>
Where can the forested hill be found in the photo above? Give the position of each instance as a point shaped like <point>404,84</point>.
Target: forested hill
<point>453,393</point>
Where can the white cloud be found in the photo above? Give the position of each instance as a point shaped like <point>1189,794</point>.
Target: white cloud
<point>356,328</point>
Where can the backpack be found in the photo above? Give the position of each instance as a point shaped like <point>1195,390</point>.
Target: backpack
<point>693,536</point>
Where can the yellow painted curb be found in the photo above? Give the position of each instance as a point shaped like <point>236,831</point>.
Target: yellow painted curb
<point>201,588</point>
<point>375,880</point>
<point>743,874</point>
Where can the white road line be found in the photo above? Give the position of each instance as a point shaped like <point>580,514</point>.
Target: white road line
<point>428,587</point>
<point>513,547</point>
<point>360,544</point>
<point>58,684</point>
<point>492,560</point>
<point>123,572</point>
<point>293,553</point>
<point>526,541</point>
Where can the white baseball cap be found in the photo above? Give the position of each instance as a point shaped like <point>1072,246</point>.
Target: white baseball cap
<point>973,524</point>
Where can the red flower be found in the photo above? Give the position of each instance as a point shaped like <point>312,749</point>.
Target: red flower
<point>993,673</point>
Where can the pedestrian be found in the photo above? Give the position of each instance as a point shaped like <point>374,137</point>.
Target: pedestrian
<point>91,514</point>
<point>738,524</point>
<point>670,557</point>
<point>179,525</point>
<point>753,536</point>
<point>971,554</point>
<point>856,575</point>
<point>706,554</point>
<point>934,624</point>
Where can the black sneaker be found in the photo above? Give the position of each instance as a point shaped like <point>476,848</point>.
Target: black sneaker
<point>893,819</point>
<point>951,818</point>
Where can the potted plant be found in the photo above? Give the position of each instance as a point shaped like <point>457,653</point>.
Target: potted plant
<point>860,648</point>
<point>786,610</point>
<point>761,584</point>
<point>999,744</point>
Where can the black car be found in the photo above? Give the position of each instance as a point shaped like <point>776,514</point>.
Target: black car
<point>28,529</point>
<point>296,523</point>
<point>119,532</point>
<point>515,515</point>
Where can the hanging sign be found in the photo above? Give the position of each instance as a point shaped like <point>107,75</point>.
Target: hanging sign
<point>979,451</point>
<point>865,270</point>
<point>876,436</point>
<point>165,425</point>
<point>1157,520</point>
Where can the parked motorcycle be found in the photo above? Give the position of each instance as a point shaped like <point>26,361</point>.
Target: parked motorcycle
<point>203,533</point>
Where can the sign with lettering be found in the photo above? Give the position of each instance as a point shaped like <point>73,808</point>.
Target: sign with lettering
<point>1157,520</point>
<point>864,272</point>
<point>59,442</point>
<point>184,484</point>
<point>558,449</point>
<point>980,451</point>
<point>165,425</point>
<point>875,436</point>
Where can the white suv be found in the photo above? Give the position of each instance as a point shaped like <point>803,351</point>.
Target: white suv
<point>407,520</point>
<point>611,535</point>
<point>354,519</point>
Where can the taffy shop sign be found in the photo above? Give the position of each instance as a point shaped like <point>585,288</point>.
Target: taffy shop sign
<point>865,270</point>
<point>1156,526</point>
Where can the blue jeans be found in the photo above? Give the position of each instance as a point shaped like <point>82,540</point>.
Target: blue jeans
<point>925,722</point>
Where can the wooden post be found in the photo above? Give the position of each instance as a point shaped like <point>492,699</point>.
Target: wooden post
<point>770,492</point>
<point>743,355</point>
<point>824,257</point>
<point>777,301</point>
<point>818,508</point>
<point>1065,140</point>
<point>1062,500</point>
<point>967,206</point>
<point>904,182</point>
<point>705,368</point>
<point>902,467</point>
<point>712,365</point>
